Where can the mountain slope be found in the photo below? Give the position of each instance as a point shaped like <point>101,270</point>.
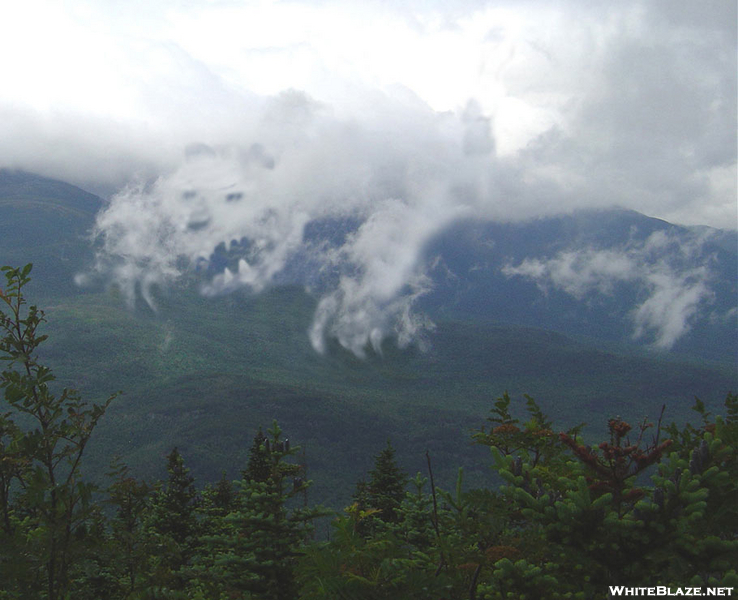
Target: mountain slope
<point>203,376</point>
<point>600,274</point>
<point>46,222</point>
<point>204,373</point>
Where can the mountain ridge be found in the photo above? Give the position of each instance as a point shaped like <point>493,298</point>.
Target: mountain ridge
<point>204,373</point>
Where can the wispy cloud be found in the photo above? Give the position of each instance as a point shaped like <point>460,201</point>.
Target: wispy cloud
<point>663,268</point>
<point>402,180</point>
<point>404,115</point>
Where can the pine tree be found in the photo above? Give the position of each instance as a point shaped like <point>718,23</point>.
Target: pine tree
<point>174,503</point>
<point>259,466</point>
<point>117,568</point>
<point>598,524</point>
<point>130,498</point>
<point>386,488</point>
<point>172,524</point>
<point>256,550</point>
<point>219,499</point>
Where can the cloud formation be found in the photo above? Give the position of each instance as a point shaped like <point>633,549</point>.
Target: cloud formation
<point>630,103</point>
<point>243,122</point>
<point>674,286</point>
<point>402,179</point>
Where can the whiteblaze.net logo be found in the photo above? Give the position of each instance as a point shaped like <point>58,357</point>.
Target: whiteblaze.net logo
<point>662,590</point>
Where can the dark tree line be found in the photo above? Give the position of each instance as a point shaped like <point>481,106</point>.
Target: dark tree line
<point>650,505</point>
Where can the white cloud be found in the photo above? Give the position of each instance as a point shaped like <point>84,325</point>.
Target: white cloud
<point>673,302</point>
<point>378,300</point>
<point>630,103</point>
<point>406,114</point>
<point>405,175</point>
<point>659,267</point>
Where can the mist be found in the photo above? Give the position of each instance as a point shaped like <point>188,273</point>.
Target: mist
<point>675,285</point>
<point>402,176</point>
<point>233,127</point>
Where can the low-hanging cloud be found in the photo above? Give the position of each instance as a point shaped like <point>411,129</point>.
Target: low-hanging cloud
<point>590,103</point>
<point>573,105</point>
<point>385,252</point>
<point>401,179</point>
<point>662,267</point>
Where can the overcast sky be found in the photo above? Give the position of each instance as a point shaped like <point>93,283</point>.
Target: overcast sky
<point>212,121</point>
<point>630,103</point>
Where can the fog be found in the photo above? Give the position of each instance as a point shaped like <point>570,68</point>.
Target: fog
<point>213,123</point>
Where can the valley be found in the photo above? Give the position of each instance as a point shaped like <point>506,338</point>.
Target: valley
<point>203,373</point>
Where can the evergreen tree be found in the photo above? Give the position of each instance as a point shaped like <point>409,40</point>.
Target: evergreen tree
<point>172,525</point>
<point>597,523</point>
<point>386,488</point>
<point>259,467</point>
<point>219,499</point>
<point>570,520</point>
<point>361,495</point>
<point>130,498</point>
<point>173,507</point>
<point>256,551</point>
<point>117,568</point>
<point>375,503</point>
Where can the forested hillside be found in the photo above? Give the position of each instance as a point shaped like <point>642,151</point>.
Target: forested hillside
<point>650,505</point>
<point>203,373</point>
<point>315,299</point>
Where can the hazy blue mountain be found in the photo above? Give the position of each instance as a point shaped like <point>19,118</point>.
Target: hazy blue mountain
<point>46,222</point>
<point>204,373</point>
<point>470,282</point>
<point>663,266</point>
<point>471,264</point>
<point>500,273</point>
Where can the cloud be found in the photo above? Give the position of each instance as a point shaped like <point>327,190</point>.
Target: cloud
<point>403,176</point>
<point>673,302</point>
<point>662,267</point>
<point>384,253</point>
<point>404,116</point>
<point>630,104</point>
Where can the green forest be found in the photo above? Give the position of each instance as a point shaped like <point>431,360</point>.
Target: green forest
<point>652,504</point>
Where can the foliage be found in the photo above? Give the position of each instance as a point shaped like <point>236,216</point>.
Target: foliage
<point>226,374</point>
<point>569,520</point>
<point>256,541</point>
<point>386,488</point>
<point>172,527</point>
<point>46,506</point>
<point>378,501</point>
<point>565,519</point>
<point>259,468</point>
<point>128,549</point>
<point>597,519</point>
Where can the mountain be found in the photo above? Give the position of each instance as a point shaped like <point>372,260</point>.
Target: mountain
<point>204,373</point>
<point>46,222</point>
<point>597,274</point>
